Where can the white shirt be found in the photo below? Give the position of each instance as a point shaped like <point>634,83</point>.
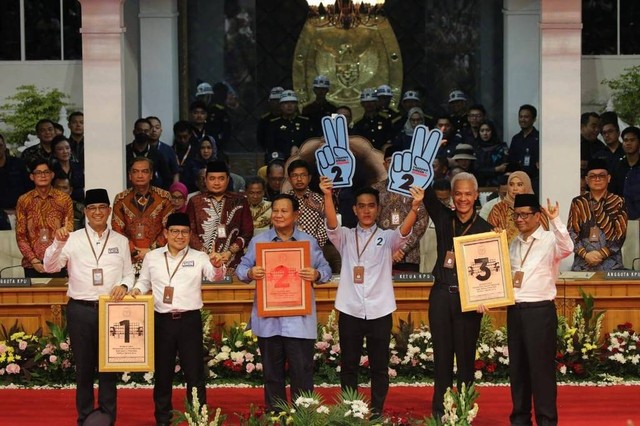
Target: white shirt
<point>186,283</point>
<point>80,261</point>
<point>375,298</point>
<point>541,265</point>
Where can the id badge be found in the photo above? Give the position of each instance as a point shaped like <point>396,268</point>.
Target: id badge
<point>594,234</point>
<point>98,278</point>
<point>167,297</point>
<point>449,259</point>
<point>44,235</point>
<point>518,276</point>
<point>527,161</point>
<point>139,234</point>
<point>395,218</point>
<point>358,274</point>
<point>222,232</point>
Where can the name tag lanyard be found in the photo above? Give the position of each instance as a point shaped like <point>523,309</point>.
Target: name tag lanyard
<point>450,257</point>
<point>358,270</point>
<point>97,271</point>
<point>168,291</point>
<point>518,277</point>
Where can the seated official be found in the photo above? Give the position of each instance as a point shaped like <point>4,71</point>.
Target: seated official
<point>597,223</point>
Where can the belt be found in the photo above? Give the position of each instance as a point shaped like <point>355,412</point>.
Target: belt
<point>176,315</point>
<point>88,303</point>
<point>453,289</point>
<point>529,305</point>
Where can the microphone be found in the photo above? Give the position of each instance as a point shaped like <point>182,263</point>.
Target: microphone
<point>9,267</point>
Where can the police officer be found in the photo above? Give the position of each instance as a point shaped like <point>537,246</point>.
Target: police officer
<point>287,132</point>
<point>320,106</point>
<point>373,125</point>
<point>265,119</point>
<point>385,95</point>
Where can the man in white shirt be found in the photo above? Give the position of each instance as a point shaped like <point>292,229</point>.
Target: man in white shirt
<point>174,275</point>
<point>532,322</point>
<point>365,295</point>
<point>98,262</point>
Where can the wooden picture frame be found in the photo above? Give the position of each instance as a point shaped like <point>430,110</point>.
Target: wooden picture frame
<point>484,270</point>
<point>126,332</point>
<point>282,292</point>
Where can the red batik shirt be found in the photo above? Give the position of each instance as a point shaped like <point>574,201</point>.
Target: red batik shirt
<point>38,216</point>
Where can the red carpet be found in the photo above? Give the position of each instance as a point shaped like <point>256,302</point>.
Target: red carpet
<point>578,405</point>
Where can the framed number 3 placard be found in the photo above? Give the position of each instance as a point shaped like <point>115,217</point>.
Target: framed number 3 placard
<point>484,270</point>
<point>126,334</point>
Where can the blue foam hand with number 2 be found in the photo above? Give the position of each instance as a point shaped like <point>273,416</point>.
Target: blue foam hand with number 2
<point>334,159</point>
<point>414,167</point>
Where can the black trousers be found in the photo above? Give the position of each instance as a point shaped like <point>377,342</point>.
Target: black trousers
<point>177,334</point>
<point>532,350</point>
<point>82,323</point>
<point>453,332</point>
<point>377,331</point>
<point>297,354</point>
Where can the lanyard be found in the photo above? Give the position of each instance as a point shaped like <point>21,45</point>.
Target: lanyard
<point>97,258</point>
<point>365,245</point>
<point>526,254</point>
<point>184,158</point>
<point>166,262</point>
<point>453,226</point>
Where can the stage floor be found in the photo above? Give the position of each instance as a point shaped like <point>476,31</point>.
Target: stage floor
<point>577,405</point>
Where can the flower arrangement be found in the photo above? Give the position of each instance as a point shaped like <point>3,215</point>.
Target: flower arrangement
<point>492,353</point>
<point>235,354</point>
<point>620,351</point>
<point>18,351</point>
<point>460,408</point>
<point>327,351</point>
<point>578,341</point>
<point>196,414</point>
<point>56,357</point>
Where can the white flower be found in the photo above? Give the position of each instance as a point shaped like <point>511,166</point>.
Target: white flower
<point>148,376</point>
<point>477,375</point>
<point>238,344</point>
<point>322,409</point>
<point>563,369</point>
<point>126,377</point>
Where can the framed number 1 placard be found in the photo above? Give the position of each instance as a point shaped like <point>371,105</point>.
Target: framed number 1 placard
<point>126,334</point>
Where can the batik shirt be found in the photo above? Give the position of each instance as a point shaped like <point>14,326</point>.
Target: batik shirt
<point>261,215</point>
<point>392,204</point>
<point>208,215</point>
<point>610,216</point>
<point>141,218</point>
<point>37,219</point>
<point>311,218</point>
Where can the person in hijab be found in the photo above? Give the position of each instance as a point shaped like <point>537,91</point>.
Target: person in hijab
<point>500,216</point>
<point>491,155</point>
<point>179,193</point>
<point>414,119</point>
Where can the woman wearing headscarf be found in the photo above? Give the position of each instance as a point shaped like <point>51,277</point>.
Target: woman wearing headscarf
<point>491,155</point>
<point>207,151</point>
<point>414,119</point>
<point>179,193</point>
<point>501,214</point>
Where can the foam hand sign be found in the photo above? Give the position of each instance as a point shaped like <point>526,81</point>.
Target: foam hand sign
<point>334,159</point>
<point>414,166</point>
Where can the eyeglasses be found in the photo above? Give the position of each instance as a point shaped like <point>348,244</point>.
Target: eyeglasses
<point>176,232</point>
<point>601,176</point>
<point>93,209</point>
<point>41,172</point>
<point>523,216</point>
<point>299,176</point>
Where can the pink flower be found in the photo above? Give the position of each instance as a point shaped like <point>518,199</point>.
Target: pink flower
<point>66,363</point>
<point>322,346</point>
<point>3,348</point>
<point>46,350</point>
<point>53,359</point>
<point>394,360</point>
<point>1,371</point>
<point>248,356</point>
<point>22,345</point>
<point>327,337</point>
<point>335,349</point>
<point>364,361</point>
<point>177,368</point>
<point>64,346</point>
<point>250,367</point>
<point>13,368</point>
<point>392,373</point>
<point>259,366</point>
